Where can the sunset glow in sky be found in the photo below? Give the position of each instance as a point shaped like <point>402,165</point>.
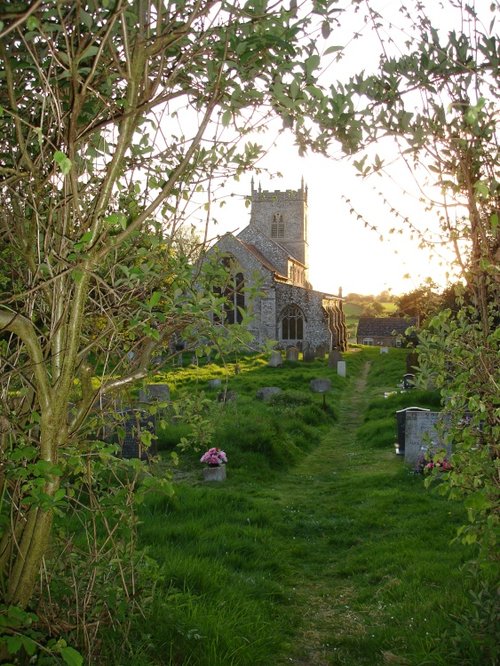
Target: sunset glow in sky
<point>343,250</point>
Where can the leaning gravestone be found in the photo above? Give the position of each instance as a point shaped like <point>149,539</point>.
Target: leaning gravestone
<point>154,393</point>
<point>276,359</point>
<point>292,354</point>
<point>341,369</point>
<point>266,393</point>
<point>333,358</point>
<point>425,431</point>
<point>133,423</point>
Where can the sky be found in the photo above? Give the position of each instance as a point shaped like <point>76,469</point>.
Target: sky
<point>343,252</point>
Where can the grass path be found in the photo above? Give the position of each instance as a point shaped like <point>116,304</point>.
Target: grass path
<point>311,491</point>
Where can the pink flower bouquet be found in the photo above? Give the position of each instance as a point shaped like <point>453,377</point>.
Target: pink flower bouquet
<point>214,457</point>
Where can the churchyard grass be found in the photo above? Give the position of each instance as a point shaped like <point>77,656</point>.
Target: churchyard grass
<point>333,554</point>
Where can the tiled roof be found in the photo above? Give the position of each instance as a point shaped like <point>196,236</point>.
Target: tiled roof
<point>263,260</point>
<point>383,326</point>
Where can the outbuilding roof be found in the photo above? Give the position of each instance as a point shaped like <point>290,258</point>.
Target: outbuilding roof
<point>378,327</point>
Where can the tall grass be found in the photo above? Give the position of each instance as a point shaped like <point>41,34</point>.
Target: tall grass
<point>320,548</point>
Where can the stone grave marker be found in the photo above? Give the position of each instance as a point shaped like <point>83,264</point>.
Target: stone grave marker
<point>292,354</point>
<point>153,393</point>
<point>308,355</point>
<point>341,368</point>
<point>322,386</point>
<point>334,357</point>
<point>424,433</point>
<point>133,422</point>
<point>266,392</point>
<point>276,359</point>
<point>214,383</point>
<point>401,426</point>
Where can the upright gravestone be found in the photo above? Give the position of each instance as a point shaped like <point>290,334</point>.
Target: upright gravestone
<point>341,369</point>
<point>276,359</point>
<point>292,354</point>
<point>214,384</point>
<point>401,415</point>
<point>129,431</point>
<point>322,386</point>
<point>334,357</point>
<point>411,362</point>
<point>425,432</point>
<point>267,392</point>
<point>308,354</point>
<point>153,393</point>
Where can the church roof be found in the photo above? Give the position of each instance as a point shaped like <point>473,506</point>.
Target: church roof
<point>262,259</point>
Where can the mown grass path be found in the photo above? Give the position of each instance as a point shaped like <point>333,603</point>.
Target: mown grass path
<point>309,493</point>
<point>369,560</point>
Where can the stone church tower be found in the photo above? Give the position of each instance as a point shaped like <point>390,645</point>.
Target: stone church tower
<point>282,216</point>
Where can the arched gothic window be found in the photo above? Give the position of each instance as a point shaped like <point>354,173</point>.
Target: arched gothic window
<point>235,299</point>
<point>292,323</point>
<point>278,226</point>
<point>234,295</point>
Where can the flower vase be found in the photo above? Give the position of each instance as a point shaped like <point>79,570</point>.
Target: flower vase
<point>216,473</point>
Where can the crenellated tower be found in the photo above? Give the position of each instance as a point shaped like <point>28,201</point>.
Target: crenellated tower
<point>282,216</point>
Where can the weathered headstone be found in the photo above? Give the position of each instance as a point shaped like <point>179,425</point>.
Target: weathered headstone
<point>401,415</point>
<point>292,354</point>
<point>226,396</point>
<point>214,383</point>
<point>266,392</point>
<point>308,355</point>
<point>152,393</point>
<point>334,357</point>
<point>341,369</point>
<point>276,359</point>
<point>128,430</point>
<point>425,432</point>
<point>408,381</point>
<point>320,385</point>
<point>411,362</point>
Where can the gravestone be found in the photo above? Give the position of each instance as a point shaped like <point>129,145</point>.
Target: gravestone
<point>292,354</point>
<point>424,433</point>
<point>266,393</point>
<point>308,355</point>
<point>408,381</point>
<point>341,369</point>
<point>214,383</point>
<point>320,351</point>
<point>320,385</point>
<point>401,415</point>
<point>226,396</point>
<point>384,350</point>
<point>411,362</point>
<point>152,393</point>
<point>276,359</point>
<point>334,357</point>
<point>132,423</point>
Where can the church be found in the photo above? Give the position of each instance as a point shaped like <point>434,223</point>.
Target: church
<point>272,251</point>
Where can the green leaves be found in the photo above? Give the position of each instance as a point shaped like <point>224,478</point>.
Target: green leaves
<point>63,162</point>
